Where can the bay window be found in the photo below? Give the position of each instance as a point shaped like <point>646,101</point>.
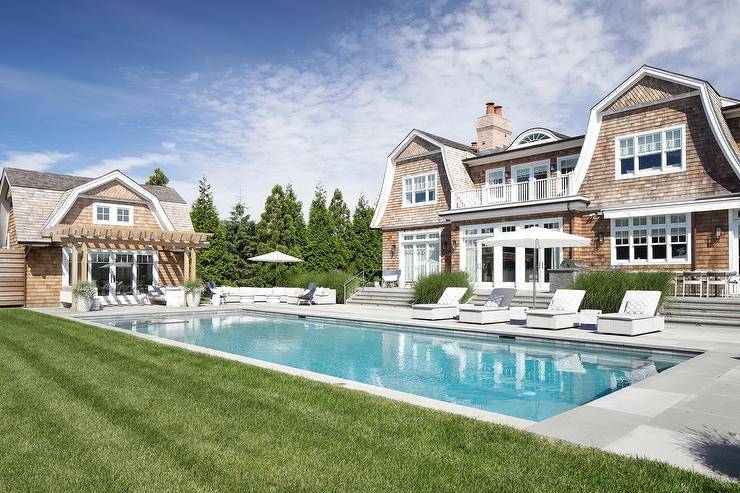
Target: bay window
<point>650,153</point>
<point>420,189</point>
<point>645,240</point>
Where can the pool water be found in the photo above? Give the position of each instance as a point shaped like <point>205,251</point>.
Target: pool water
<point>529,380</point>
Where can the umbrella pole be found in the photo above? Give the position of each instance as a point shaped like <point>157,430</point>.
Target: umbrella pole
<point>276,273</point>
<point>536,276</point>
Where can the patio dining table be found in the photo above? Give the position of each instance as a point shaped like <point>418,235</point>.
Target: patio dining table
<point>707,276</point>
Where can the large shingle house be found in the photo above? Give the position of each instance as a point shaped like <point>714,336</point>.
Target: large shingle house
<point>654,182</point>
<point>123,235</point>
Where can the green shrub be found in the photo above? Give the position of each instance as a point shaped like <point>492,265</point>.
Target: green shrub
<point>192,285</point>
<point>605,289</point>
<point>428,289</point>
<point>334,279</point>
<point>85,289</point>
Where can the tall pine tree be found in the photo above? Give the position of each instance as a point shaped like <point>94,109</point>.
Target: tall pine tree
<point>241,243</point>
<point>342,228</point>
<point>322,246</point>
<point>214,263</point>
<point>158,178</point>
<point>366,246</point>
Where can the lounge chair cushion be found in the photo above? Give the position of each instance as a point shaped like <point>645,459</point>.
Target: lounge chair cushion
<point>637,306</point>
<point>624,316</point>
<point>480,309</point>
<point>451,296</point>
<point>431,306</point>
<point>549,313</point>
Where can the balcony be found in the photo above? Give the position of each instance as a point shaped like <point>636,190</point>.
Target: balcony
<point>514,193</point>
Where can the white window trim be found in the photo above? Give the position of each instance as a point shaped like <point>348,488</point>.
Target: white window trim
<point>113,216</point>
<point>417,175</point>
<point>648,227</point>
<point>563,158</point>
<point>637,173</point>
<point>67,254</point>
<point>491,171</point>
<point>402,242</point>
<point>734,223</point>
<point>531,165</point>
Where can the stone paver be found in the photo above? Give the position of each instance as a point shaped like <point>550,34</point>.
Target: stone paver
<point>645,402</point>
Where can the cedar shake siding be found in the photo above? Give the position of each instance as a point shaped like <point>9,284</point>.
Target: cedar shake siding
<point>397,215</point>
<point>40,199</point>
<point>43,276</point>
<point>648,90</point>
<point>707,171</point>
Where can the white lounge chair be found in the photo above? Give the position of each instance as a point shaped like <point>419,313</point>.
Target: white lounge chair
<point>562,312</point>
<point>494,310</point>
<point>446,307</point>
<point>636,315</point>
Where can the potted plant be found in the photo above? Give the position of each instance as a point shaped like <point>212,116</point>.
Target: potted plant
<point>193,289</point>
<point>84,293</point>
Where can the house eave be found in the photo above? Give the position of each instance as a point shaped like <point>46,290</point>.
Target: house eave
<point>562,204</point>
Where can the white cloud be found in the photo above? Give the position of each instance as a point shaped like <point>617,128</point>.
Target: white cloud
<point>35,161</point>
<point>336,115</point>
<point>128,164</point>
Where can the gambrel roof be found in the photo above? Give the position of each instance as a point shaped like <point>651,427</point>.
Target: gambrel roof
<point>41,200</point>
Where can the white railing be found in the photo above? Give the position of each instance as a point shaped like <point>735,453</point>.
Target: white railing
<point>509,193</point>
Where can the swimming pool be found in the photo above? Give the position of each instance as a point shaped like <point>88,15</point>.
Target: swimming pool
<point>528,380</point>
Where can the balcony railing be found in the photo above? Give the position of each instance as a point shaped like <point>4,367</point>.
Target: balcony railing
<point>510,193</point>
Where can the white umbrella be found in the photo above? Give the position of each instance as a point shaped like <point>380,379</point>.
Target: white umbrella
<point>276,258</point>
<point>536,238</point>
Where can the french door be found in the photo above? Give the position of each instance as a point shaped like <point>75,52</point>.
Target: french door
<point>119,276</point>
<point>421,255</point>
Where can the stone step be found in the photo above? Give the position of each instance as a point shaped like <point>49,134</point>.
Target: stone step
<point>714,310</point>
<point>378,302</point>
<point>703,321</point>
<point>671,314</point>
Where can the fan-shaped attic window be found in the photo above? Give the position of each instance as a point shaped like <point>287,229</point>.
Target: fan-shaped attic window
<point>533,137</point>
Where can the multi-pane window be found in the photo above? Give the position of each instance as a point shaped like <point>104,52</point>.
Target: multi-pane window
<point>123,215</point>
<point>102,213</point>
<point>421,255</point>
<point>113,214</point>
<point>420,189</point>
<point>649,153</point>
<point>567,164</point>
<point>647,239</point>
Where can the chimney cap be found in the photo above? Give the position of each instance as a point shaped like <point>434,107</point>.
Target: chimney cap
<point>490,106</point>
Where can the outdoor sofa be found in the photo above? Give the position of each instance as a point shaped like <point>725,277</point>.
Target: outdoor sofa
<point>494,310</point>
<point>562,312</point>
<point>446,307</point>
<point>166,295</point>
<point>248,295</point>
<point>636,315</point>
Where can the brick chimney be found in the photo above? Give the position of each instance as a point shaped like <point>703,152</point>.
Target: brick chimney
<point>493,129</point>
<point>474,145</point>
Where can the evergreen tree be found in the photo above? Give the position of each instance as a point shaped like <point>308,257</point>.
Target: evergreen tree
<point>342,228</point>
<point>214,263</point>
<point>241,233</point>
<point>322,246</point>
<point>366,245</point>
<point>294,225</point>
<point>158,178</point>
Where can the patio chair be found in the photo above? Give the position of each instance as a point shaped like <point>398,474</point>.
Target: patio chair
<point>445,307</point>
<point>692,279</point>
<point>307,297</point>
<point>562,313</point>
<point>719,280</point>
<point>636,315</point>
<point>213,293</point>
<point>494,310</point>
<point>390,277</point>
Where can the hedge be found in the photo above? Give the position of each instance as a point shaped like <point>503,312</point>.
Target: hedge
<point>429,288</point>
<point>605,289</point>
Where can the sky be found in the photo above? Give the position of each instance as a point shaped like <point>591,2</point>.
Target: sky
<point>250,94</point>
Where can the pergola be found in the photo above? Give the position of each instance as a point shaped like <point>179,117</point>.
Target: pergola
<point>79,239</point>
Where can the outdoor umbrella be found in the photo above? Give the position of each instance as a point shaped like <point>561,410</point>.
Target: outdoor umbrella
<point>277,258</point>
<point>536,237</point>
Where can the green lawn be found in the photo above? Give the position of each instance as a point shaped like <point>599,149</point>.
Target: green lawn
<point>86,409</point>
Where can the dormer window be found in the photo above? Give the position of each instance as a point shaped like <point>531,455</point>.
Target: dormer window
<point>533,137</point>
<point>420,189</point>
<point>650,153</point>
<point>115,214</point>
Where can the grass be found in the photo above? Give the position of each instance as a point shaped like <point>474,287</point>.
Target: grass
<point>86,409</point>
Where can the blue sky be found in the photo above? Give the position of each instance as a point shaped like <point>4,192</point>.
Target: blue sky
<point>255,93</point>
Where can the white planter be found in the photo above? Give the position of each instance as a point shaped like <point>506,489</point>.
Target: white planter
<point>84,304</point>
<point>193,298</point>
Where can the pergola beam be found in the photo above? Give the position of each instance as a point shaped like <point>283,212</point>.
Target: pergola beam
<point>181,239</point>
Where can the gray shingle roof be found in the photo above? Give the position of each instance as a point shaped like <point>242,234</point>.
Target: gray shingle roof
<point>447,142</point>
<point>53,181</point>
